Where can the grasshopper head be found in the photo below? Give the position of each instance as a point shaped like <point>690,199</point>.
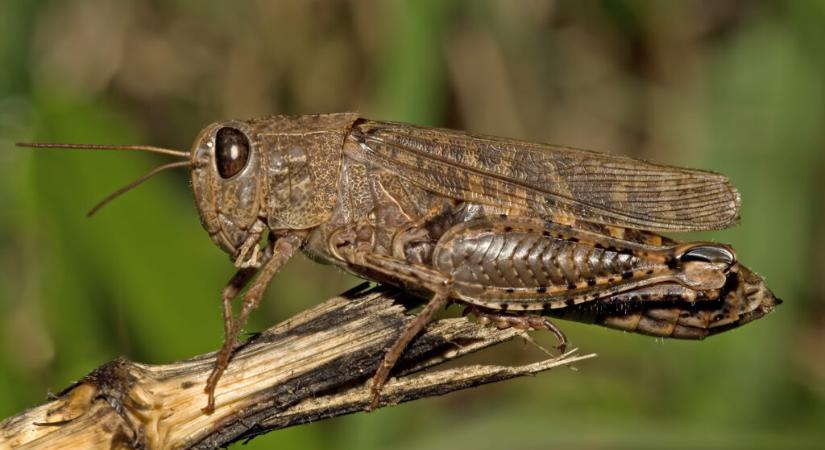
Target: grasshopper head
<point>226,182</point>
<point>283,170</point>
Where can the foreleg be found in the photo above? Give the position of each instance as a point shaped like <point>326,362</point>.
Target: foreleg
<point>277,254</point>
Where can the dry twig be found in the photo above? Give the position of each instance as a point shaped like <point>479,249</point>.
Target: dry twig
<point>312,367</point>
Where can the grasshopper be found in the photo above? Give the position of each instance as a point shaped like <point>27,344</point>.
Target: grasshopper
<point>516,231</point>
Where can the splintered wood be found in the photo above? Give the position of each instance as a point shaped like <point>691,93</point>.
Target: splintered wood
<point>311,367</point>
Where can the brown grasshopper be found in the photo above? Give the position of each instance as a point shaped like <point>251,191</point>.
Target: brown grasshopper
<point>517,231</point>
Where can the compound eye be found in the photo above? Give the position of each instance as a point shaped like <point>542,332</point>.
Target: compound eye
<point>231,151</point>
<point>710,254</point>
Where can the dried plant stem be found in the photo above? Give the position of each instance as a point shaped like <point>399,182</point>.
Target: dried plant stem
<point>313,366</point>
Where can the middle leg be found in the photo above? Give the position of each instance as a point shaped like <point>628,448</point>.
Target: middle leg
<point>420,277</point>
<point>359,255</point>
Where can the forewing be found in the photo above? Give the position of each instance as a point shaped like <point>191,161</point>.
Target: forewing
<point>552,180</point>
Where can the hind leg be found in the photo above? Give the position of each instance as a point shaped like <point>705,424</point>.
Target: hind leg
<point>504,320</point>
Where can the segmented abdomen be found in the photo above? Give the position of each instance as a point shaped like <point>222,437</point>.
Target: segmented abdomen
<point>518,259</point>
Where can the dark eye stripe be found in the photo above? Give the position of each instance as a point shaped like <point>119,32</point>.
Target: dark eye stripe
<point>231,151</point>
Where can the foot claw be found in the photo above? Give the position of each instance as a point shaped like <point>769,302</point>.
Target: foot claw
<point>562,347</point>
<point>210,403</point>
<point>373,403</point>
<point>209,389</point>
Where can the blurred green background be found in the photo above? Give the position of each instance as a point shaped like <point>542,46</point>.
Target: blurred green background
<point>731,86</point>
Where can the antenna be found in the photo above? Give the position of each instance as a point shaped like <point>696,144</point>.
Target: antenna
<point>136,148</point>
<point>130,148</point>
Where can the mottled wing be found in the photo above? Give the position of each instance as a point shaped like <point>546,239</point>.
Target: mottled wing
<point>552,180</point>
